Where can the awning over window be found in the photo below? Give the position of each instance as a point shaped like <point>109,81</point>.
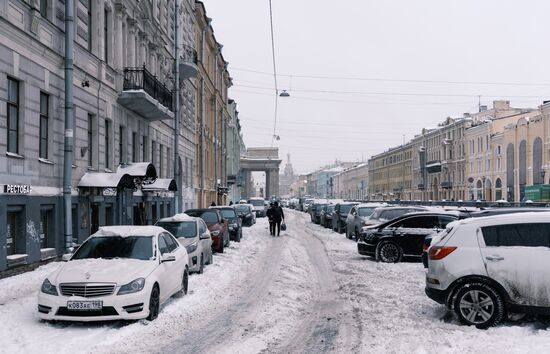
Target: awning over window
<point>161,184</point>
<point>123,178</point>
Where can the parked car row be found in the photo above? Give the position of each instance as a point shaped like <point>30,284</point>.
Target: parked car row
<point>128,272</point>
<point>484,265</point>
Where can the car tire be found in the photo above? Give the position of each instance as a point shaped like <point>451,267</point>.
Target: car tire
<point>201,268</point>
<point>154,303</point>
<point>348,234</point>
<point>479,304</point>
<point>184,282</point>
<point>389,252</point>
<point>356,235</point>
<point>239,235</point>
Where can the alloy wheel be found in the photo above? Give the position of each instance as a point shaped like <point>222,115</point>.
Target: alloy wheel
<point>476,306</point>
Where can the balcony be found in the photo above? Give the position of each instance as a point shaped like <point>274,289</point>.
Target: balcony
<point>447,185</point>
<point>144,94</point>
<point>433,166</point>
<point>188,63</point>
<point>421,186</point>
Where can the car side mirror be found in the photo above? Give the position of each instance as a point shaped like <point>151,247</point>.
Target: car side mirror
<point>66,257</point>
<point>167,257</point>
<point>204,236</point>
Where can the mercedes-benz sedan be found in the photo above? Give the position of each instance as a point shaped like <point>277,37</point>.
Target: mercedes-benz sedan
<point>120,272</point>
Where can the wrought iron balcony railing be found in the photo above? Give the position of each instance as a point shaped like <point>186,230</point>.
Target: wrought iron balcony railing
<point>141,79</point>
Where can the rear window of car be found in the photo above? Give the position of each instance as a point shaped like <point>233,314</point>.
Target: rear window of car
<point>365,211</point>
<point>345,208</point>
<point>228,213</point>
<point>180,228</point>
<point>257,202</point>
<point>509,235</point>
<point>209,216</point>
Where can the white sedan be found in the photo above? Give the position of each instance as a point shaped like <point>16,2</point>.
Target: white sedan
<point>120,272</point>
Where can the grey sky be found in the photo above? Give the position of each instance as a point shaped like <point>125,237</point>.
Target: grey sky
<point>490,41</point>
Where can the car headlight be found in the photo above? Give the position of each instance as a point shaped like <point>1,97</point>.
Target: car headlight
<point>191,247</point>
<point>48,288</point>
<point>132,287</point>
<point>215,233</point>
<point>233,225</point>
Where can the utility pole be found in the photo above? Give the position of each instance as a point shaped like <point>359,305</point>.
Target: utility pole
<point>177,172</point>
<point>69,113</point>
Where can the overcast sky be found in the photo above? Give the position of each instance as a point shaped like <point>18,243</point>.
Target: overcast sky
<point>356,70</point>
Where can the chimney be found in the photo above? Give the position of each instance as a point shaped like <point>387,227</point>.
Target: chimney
<point>501,105</point>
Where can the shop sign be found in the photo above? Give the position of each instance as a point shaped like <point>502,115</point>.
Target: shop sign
<point>109,192</point>
<point>17,189</point>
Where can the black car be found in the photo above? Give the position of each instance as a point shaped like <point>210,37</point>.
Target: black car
<point>315,212</point>
<point>235,222</point>
<point>402,237</point>
<point>326,215</point>
<point>244,212</point>
<point>340,215</point>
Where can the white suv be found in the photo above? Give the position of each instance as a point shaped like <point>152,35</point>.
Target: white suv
<point>486,268</point>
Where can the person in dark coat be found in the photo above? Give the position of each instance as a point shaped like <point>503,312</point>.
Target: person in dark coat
<point>278,217</point>
<point>269,214</point>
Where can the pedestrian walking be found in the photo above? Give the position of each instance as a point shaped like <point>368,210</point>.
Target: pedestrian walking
<point>278,217</point>
<point>269,214</point>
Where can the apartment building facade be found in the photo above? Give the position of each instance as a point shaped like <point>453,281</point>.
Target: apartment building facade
<point>124,156</point>
<point>212,114</point>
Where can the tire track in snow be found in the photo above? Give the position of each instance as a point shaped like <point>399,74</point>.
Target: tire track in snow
<point>329,323</point>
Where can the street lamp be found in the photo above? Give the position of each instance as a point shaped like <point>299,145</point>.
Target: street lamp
<point>542,173</point>
<point>284,94</point>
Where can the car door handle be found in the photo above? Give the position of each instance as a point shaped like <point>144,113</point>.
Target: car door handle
<point>494,258</point>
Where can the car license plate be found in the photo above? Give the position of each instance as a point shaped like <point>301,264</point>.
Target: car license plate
<point>84,305</point>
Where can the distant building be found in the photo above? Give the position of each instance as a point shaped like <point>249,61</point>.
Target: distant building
<point>286,179</point>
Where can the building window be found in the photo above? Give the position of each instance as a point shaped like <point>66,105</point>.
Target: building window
<point>90,21</point>
<point>121,143</point>
<point>161,160</point>
<point>44,8</point>
<point>45,226</point>
<point>44,120</point>
<point>15,236</point>
<point>108,133</point>
<point>153,152</point>
<point>90,140</point>
<point>144,147</point>
<point>135,147</point>
<point>13,115</point>
<point>106,35</point>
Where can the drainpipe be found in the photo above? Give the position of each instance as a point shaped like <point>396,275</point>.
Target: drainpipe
<point>215,108</point>
<point>177,173</point>
<point>203,107</point>
<point>69,135</point>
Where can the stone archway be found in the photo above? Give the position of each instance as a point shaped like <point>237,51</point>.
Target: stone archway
<point>261,159</point>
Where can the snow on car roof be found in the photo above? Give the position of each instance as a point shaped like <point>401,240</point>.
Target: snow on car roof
<point>512,217</point>
<point>179,217</point>
<point>126,231</point>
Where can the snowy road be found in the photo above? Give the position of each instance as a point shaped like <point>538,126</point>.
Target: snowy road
<point>307,291</point>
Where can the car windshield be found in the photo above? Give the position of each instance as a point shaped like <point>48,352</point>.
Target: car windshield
<point>134,247</point>
<point>330,208</point>
<point>257,202</point>
<point>186,229</point>
<point>367,211</point>
<point>228,213</point>
<point>345,208</point>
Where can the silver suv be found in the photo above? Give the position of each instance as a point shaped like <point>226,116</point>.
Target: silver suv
<point>487,268</point>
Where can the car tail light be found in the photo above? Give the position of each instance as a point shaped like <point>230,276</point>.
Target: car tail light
<point>425,247</point>
<point>439,252</point>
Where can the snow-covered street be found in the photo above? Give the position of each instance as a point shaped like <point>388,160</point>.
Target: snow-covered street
<point>307,291</point>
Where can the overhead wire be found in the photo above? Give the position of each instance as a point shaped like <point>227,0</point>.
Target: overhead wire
<point>350,78</point>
